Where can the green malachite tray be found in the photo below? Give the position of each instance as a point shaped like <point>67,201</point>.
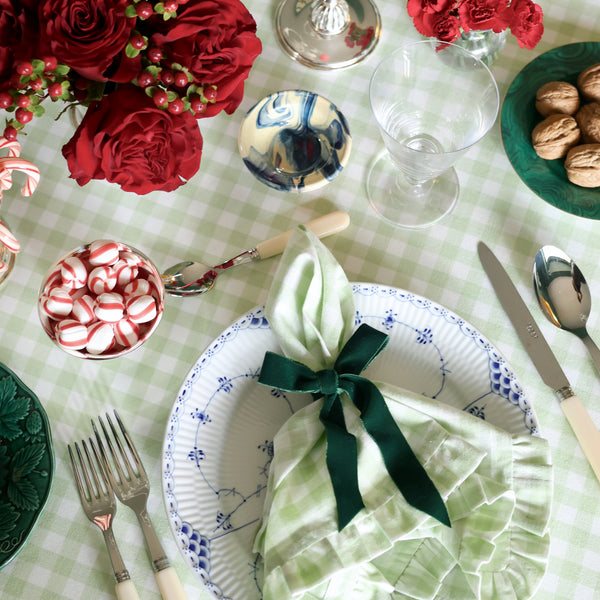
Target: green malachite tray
<point>26,463</point>
<point>547,178</point>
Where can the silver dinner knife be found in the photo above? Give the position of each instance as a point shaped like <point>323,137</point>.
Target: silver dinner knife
<point>542,356</point>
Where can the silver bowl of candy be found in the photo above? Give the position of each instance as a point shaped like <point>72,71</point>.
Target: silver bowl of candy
<point>101,300</point>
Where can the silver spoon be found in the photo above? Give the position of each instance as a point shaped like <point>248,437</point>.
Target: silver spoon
<point>564,295</point>
<point>190,278</point>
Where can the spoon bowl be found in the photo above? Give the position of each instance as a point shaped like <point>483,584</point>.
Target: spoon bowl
<point>191,278</point>
<point>563,295</point>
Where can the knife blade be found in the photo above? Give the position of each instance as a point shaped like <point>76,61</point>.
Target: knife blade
<point>542,357</point>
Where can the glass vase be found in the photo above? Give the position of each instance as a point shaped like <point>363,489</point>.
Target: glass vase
<point>486,45</point>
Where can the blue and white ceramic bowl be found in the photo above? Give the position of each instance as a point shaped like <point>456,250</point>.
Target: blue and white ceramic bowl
<point>294,141</point>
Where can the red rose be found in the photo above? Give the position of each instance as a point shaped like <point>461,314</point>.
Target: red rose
<point>416,7</point>
<point>526,23</point>
<point>90,36</point>
<point>17,25</point>
<point>216,40</point>
<point>443,26</point>
<point>125,139</point>
<point>484,14</point>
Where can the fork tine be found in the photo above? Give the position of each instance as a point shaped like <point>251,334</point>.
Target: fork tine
<point>76,471</point>
<point>113,452</point>
<point>130,445</point>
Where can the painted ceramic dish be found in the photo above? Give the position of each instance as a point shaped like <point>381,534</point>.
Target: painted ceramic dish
<point>26,463</point>
<point>547,178</point>
<point>294,141</point>
<point>219,438</point>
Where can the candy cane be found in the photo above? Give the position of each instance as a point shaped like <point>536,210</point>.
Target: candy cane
<point>14,148</point>
<point>8,239</point>
<point>8,164</point>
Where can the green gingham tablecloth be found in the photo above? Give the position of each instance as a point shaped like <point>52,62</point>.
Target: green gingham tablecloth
<point>224,210</point>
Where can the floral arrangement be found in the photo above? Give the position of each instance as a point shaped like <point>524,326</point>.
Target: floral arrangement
<point>447,19</point>
<point>144,72</point>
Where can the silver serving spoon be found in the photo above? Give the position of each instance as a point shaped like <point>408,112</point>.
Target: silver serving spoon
<point>564,295</point>
<point>190,278</point>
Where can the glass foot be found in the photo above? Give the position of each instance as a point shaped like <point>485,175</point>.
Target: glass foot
<point>328,34</point>
<point>402,204</point>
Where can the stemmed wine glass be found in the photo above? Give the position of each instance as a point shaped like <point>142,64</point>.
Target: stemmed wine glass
<point>432,102</point>
<point>328,34</point>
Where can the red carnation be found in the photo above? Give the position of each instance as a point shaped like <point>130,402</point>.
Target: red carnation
<point>443,26</point>
<point>484,14</point>
<point>417,7</point>
<point>526,23</point>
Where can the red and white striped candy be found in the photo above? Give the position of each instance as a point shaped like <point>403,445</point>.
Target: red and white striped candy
<point>141,309</point>
<point>71,334</point>
<point>57,303</point>
<point>8,239</point>
<point>13,147</point>
<point>138,287</point>
<point>109,307</point>
<point>103,252</point>
<point>73,272</point>
<point>83,309</point>
<point>9,164</point>
<point>127,333</point>
<point>131,258</point>
<point>126,273</point>
<point>100,337</point>
<point>102,279</point>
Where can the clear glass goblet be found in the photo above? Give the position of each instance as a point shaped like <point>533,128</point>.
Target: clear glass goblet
<point>328,34</point>
<point>432,102</point>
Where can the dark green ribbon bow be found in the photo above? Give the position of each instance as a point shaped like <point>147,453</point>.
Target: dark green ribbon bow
<point>402,465</point>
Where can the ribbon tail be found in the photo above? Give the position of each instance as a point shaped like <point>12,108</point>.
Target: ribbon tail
<point>342,457</point>
<point>403,466</point>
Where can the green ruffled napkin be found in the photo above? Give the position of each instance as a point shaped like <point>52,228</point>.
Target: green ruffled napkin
<point>496,487</point>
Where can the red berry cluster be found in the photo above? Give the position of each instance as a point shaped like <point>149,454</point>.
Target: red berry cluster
<point>31,82</point>
<point>169,84</point>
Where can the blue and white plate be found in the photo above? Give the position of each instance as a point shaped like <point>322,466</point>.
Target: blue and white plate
<point>219,438</point>
<point>294,141</point>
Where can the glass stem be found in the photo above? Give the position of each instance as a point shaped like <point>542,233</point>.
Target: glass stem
<point>330,17</point>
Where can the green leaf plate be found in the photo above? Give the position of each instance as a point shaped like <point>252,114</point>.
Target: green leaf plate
<point>547,178</point>
<point>26,463</point>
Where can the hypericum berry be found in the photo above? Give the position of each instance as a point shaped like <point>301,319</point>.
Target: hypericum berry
<point>160,98</point>
<point>36,84</point>
<point>10,133</point>
<point>50,63</point>
<point>166,77</point>
<point>210,93</point>
<point>55,90</point>
<point>197,105</point>
<point>6,100</point>
<point>24,67</point>
<point>144,10</point>
<point>154,54</point>
<point>171,6</point>
<point>176,106</point>
<point>145,79</point>
<point>23,100</point>
<point>181,79</point>
<point>137,41</point>
<point>23,115</point>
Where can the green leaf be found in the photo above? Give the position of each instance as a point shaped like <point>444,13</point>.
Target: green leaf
<point>131,52</point>
<point>26,460</point>
<point>38,110</point>
<point>12,409</point>
<point>38,66</point>
<point>130,11</point>
<point>23,495</point>
<point>8,519</point>
<point>172,96</point>
<point>62,69</point>
<point>176,67</point>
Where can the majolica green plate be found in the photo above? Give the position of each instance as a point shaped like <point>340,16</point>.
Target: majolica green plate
<point>26,463</point>
<point>547,178</point>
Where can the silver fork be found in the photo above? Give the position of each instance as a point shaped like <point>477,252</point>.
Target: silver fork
<point>100,507</point>
<point>131,485</point>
